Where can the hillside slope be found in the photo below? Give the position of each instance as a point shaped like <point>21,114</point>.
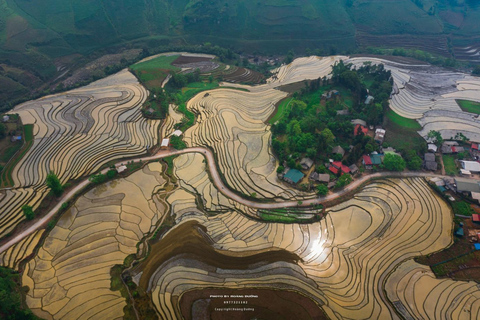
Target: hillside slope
<point>34,34</point>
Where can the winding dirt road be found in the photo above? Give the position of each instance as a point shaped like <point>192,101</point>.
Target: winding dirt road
<point>218,182</point>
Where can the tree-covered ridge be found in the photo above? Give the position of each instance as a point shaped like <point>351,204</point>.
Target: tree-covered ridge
<point>314,123</point>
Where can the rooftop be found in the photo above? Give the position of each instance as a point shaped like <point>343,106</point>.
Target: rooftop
<point>468,185</point>
<point>294,175</point>
<point>471,166</point>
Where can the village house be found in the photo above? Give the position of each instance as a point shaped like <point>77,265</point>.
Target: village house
<point>306,163</point>
<point>380,135</point>
<point>472,166</point>
<point>432,148</point>
<point>6,118</point>
<point>338,150</point>
<point>293,176</point>
<point>320,177</point>
<point>165,144</point>
<point>367,162</point>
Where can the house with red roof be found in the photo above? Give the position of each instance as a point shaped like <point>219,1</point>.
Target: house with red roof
<point>338,166</point>
<point>367,162</point>
<point>475,146</point>
<point>476,218</point>
<point>359,128</point>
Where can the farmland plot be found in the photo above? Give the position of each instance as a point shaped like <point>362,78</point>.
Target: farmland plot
<point>417,294</point>
<point>231,122</point>
<point>69,278</point>
<point>420,87</point>
<point>75,133</point>
<point>348,255</point>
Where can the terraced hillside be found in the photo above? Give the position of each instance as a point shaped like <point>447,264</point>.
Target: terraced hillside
<point>344,260</point>
<point>75,134</point>
<point>417,294</point>
<point>69,278</point>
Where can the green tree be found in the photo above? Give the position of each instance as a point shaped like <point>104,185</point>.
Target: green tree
<point>177,142</point>
<point>327,136</point>
<point>97,178</point>
<point>280,169</point>
<point>28,212</point>
<point>3,130</point>
<point>111,173</point>
<point>344,180</point>
<point>54,184</point>
<point>436,137</point>
<point>414,162</point>
<point>322,189</point>
<point>393,162</point>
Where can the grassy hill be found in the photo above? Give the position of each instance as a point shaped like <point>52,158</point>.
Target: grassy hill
<point>34,35</point>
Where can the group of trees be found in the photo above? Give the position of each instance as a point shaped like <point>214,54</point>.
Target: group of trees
<point>11,298</point>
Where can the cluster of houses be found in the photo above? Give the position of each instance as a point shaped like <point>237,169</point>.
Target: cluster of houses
<point>452,147</point>
<point>464,186</point>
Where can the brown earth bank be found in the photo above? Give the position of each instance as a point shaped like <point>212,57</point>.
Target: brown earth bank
<point>265,304</point>
<point>189,59</point>
<point>190,239</point>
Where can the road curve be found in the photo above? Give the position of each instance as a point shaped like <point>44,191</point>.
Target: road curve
<point>218,182</point>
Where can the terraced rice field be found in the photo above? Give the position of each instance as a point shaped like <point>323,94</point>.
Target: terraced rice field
<point>11,257</point>
<point>417,294</point>
<point>231,122</point>
<point>75,133</point>
<point>344,260</point>
<point>69,278</point>
<point>421,87</point>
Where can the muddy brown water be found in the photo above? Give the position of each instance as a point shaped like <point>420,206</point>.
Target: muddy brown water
<point>265,304</point>
<point>190,239</point>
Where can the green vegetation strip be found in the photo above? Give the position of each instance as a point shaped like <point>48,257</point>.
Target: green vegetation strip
<point>469,106</point>
<point>6,175</point>
<point>282,107</point>
<point>449,164</point>
<point>403,122</point>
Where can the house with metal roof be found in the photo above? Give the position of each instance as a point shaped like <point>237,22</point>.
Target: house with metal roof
<point>467,185</point>
<point>338,150</point>
<point>367,161</point>
<point>293,176</point>
<point>429,157</point>
<point>320,177</point>
<point>306,163</point>
<point>472,166</point>
<point>432,148</point>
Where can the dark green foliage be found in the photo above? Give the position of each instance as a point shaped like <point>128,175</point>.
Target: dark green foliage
<point>177,142</point>
<point>322,189</point>
<point>476,70</point>
<point>10,297</point>
<point>414,162</point>
<point>3,130</point>
<point>462,208</point>
<point>54,184</point>
<point>436,137</point>
<point>393,162</point>
<point>280,169</point>
<point>28,212</point>
<point>344,180</point>
<point>111,173</point>
<point>97,178</point>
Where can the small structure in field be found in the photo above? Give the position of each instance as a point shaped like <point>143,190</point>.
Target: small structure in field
<point>16,138</point>
<point>361,122</point>
<point>6,118</point>
<point>122,168</point>
<point>177,133</point>
<point>306,163</point>
<point>293,176</point>
<point>165,144</point>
